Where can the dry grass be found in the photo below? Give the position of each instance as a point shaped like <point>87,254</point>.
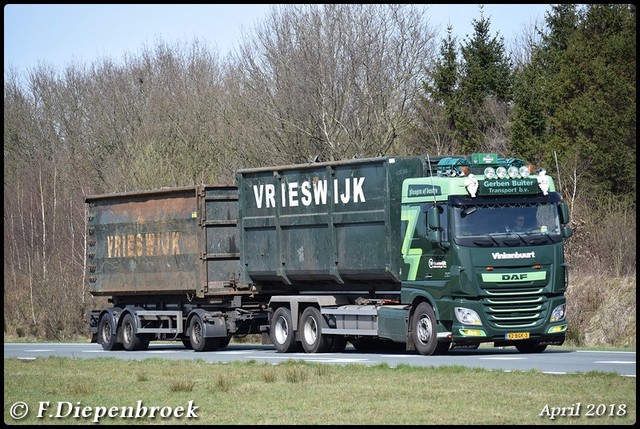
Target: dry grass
<point>602,310</point>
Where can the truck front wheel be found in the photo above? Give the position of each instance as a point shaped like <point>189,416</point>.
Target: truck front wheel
<point>281,330</point>
<point>107,333</point>
<point>312,339</point>
<point>424,329</point>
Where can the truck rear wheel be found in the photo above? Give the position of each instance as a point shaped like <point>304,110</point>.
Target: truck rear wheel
<point>107,333</point>
<point>424,329</point>
<point>281,331</point>
<point>312,339</point>
<point>130,340</point>
<point>196,334</point>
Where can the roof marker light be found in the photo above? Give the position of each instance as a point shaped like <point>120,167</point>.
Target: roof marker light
<point>490,173</point>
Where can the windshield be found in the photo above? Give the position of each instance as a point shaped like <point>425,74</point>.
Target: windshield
<point>524,222</point>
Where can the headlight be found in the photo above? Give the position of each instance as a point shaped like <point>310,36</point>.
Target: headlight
<point>558,313</point>
<point>467,317</point>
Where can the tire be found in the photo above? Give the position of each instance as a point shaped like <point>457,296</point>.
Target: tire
<point>530,347</point>
<point>107,333</point>
<point>196,335</point>
<point>130,340</point>
<point>281,331</point>
<point>187,343</point>
<point>311,332</point>
<point>424,329</point>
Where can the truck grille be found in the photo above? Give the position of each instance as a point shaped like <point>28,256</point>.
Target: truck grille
<point>515,308</point>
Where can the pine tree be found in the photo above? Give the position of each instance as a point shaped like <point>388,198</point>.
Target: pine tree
<point>486,89</point>
<point>576,99</point>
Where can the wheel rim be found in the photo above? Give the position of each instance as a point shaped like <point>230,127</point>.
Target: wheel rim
<point>106,332</point>
<point>310,331</point>
<point>282,330</point>
<point>196,332</point>
<point>128,333</point>
<point>424,329</point>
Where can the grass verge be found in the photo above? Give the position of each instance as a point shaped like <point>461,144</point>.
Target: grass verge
<point>76,391</point>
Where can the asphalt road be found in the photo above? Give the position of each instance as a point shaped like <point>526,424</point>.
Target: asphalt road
<point>552,361</point>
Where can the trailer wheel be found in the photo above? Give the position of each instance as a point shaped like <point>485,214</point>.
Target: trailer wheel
<point>196,334</point>
<point>107,333</point>
<point>530,347</point>
<point>281,331</point>
<point>130,340</point>
<point>424,330</point>
<point>312,339</point>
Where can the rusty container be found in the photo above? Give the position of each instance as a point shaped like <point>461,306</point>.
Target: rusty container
<point>173,241</point>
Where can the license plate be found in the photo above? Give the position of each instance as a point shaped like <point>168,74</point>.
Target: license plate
<point>516,336</point>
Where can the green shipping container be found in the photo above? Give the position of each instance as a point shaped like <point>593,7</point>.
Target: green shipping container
<point>331,226</point>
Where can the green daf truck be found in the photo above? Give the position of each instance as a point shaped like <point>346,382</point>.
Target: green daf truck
<point>424,253</point>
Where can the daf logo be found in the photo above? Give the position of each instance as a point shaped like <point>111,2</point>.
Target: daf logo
<point>514,277</point>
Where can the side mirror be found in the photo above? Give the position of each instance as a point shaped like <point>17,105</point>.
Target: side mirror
<point>433,218</point>
<point>435,232</point>
<point>567,232</point>
<point>564,213</point>
<point>435,236</point>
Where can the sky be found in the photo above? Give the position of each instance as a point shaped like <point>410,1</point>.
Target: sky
<point>63,34</point>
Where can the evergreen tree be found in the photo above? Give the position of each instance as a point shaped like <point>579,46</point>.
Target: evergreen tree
<point>443,91</point>
<point>474,92</point>
<point>487,71</point>
<point>576,99</point>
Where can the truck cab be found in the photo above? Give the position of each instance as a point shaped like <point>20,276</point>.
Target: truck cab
<point>483,244</point>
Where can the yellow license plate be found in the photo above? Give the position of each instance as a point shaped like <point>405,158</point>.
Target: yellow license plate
<point>516,336</point>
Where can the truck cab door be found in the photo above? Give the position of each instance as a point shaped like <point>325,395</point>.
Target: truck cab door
<point>424,246</point>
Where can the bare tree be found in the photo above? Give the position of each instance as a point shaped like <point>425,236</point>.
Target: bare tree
<point>334,80</point>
